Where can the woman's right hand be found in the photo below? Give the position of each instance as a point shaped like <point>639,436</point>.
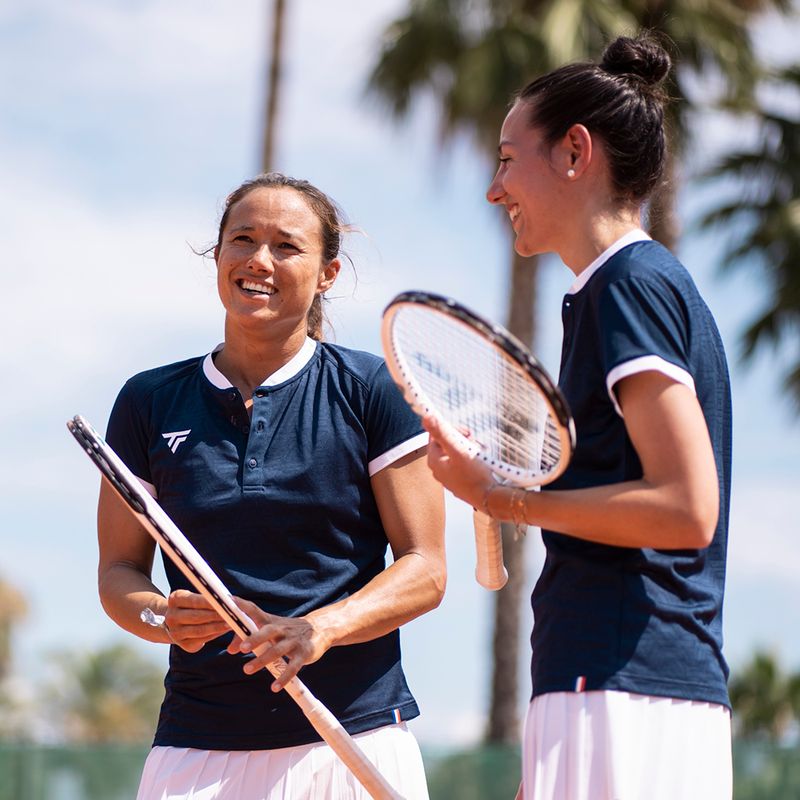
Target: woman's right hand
<point>191,621</point>
<point>456,466</point>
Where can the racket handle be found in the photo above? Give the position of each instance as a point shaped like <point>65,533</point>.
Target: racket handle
<point>337,738</point>
<point>490,571</point>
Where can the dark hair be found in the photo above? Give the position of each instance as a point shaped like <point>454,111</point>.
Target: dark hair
<point>621,100</point>
<point>327,212</point>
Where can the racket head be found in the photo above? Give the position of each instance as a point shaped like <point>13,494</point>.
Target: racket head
<point>474,375</point>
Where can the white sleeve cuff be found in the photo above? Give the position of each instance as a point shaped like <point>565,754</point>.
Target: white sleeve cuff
<point>397,452</point>
<point>646,364</point>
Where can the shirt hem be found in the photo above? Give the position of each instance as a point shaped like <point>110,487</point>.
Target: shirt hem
<point>677,690</point>
<point>308,735</point>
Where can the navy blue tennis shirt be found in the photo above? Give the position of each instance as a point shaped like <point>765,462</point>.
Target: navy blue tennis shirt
<point>280,506</point>
<point>640,620</point>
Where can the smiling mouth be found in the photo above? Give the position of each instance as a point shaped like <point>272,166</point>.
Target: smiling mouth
<point>251,287</point>
<point>513,214</point>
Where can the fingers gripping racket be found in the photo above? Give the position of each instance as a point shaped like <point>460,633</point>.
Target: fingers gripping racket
<point>472,375</point>
<point>155,520</point>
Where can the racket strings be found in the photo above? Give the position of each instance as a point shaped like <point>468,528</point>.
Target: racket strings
<point>465,379</point>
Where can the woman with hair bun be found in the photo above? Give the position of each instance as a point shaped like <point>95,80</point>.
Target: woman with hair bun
<point>629,697</point>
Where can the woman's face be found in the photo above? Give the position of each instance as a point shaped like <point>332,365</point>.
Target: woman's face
<point>529,185</point>
<point>269,261</point>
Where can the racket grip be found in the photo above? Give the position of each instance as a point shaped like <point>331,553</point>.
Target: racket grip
<point>490,571</point>
<point>337,738</point>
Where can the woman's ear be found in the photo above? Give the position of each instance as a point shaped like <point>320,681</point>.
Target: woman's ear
<point>327,275</point>
<point>575,151</point>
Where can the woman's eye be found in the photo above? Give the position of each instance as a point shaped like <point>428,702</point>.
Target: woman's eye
<point>242,238</point>
<point>287,246</point>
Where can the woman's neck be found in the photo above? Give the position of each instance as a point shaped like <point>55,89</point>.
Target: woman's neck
<point>596,234</point>
<point>247,360</point>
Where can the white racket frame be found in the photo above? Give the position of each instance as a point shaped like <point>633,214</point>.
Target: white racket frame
<point>490,571</point>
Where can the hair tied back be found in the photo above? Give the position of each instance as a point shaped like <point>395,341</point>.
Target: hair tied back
<point>643,58</point>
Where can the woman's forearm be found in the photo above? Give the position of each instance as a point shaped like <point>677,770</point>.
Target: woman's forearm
<point>411,586</point>
<point>124,593</point>
<point>631,514</point>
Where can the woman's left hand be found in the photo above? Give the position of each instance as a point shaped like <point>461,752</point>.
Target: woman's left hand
<point>294,642</point>
<point>456,467</point>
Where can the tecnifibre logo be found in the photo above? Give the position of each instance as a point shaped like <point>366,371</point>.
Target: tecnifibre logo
<point>176,439</point>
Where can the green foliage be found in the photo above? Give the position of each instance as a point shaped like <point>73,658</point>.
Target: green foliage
<point>108,695</point>
<point>765,215</point>
<point>107,772</point>
<point>766,701</point>
<point>765,771</point>
<point>484,773</point>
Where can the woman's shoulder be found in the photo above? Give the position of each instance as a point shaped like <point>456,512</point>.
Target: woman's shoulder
<point>150,380</point>
<point>359,364</point>
<point>645,260</point>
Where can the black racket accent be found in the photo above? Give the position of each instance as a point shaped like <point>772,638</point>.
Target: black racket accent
<point>87,439</point>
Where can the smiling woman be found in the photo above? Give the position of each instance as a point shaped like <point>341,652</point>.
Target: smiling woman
<point>629,694</point>
<point>298,463</point>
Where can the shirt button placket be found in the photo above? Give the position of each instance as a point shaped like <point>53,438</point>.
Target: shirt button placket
<point>255,443</point>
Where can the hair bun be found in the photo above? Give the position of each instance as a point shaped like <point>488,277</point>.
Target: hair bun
<point>643,57</point>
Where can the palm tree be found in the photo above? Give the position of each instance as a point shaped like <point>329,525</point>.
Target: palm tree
<point>110,695</point>
<point>472,55</point>
<point>710,42</point>
<point>274,83</point>
<point>765,700</point>
<point>766,213</point>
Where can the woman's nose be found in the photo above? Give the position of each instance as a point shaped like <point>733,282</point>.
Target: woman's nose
<point>495,192</point>
<point>261,258</point>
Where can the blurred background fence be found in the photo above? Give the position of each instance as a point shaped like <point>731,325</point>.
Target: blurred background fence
<point>763,771</point>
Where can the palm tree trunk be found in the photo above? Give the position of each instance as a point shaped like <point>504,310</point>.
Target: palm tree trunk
<point>504,724</point>
<point>273,86</point>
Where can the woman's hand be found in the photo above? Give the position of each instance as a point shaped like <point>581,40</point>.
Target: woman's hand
<point>277,638</point>
<point>190,620</point>
<point>455,466</point>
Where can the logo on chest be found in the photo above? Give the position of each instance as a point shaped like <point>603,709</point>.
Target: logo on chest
<point>176,438</point>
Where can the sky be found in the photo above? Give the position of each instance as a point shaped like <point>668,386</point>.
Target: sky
<point>123,126</point>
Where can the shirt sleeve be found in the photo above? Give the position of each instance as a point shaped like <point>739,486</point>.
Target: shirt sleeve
<point>127,434</point>
<point>642,327</point>
<point>393,429</point>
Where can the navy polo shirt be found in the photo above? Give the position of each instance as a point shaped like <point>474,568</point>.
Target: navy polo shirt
<point>640,620</point>
<point>280,506</point>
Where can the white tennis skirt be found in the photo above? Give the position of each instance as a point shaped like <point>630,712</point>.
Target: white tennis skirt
<point>618,746</point>
<point>307,772</point>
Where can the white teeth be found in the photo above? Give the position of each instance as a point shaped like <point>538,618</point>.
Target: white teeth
<point>257,287</point>
<point>513,213</point>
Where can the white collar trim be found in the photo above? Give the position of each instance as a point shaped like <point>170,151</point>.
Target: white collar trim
<point>636,235</point>
<point>288,370</point>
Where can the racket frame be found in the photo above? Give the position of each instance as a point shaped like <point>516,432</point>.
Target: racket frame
<point>490,570</point>
<point>511,348</point>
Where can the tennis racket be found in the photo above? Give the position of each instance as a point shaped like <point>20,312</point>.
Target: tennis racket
<point>474,376</point>
<point>172,541</point>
